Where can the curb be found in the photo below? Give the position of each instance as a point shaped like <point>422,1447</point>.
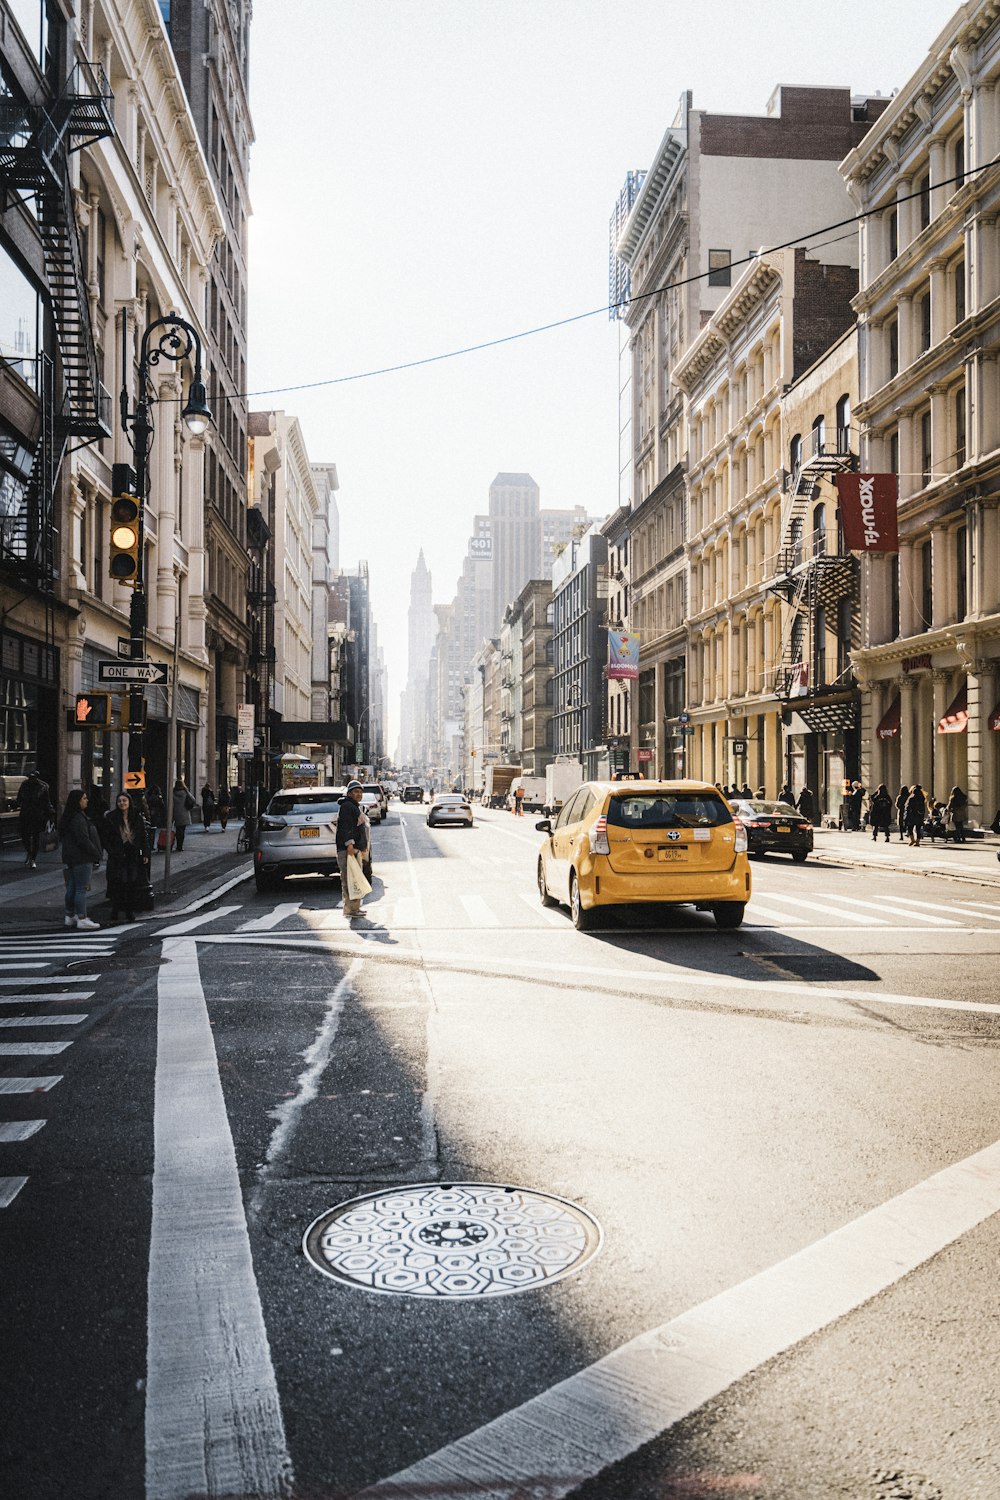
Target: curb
<point>845,863</point>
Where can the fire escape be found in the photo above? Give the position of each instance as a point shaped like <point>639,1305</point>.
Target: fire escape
<point>35,144</point>
<point>814,582</point>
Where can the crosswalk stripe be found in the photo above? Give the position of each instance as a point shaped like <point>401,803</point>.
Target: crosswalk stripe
<point>757,909</point>
<point>547,913</point>
<point>9,1189</point>
<point>25,966</point>
<point>991,913</point>
<point>936,920</point>
<point>28,1085</point>
<point>76,995</point>
<point>54,979</point>
<point>479,911</point>
<point>825,908</point>
<point>71,1019</point>
<point>409,912</point>
<point>32,1049</point>
<point>272,918</point>
<point>19,1130</point>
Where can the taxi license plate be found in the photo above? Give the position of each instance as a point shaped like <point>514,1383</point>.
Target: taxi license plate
<point>673,854</point>
<point>784,828</point>
<point>308,833</point>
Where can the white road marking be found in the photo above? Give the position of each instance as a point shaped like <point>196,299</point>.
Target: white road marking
<point>28,1085</point>
<point>64,950</point>
<point>19,1130</point>
<point>272,919</point>
<point>548,914</point>
<point>32,1049</point>
<point>478,911</point>
<point>989,913</point>
<point>635,981</point>
<point>220,890</point>
<point>52,978</point>
<point>179,929</point>
<point>572,1432</point>
<point>934,919</point>
<point>213,1419</point>
<point>825,908</point>
<point>8,965</point>
<point>418,919</point>
<point>9,1189</point>
<point>64,1020</point>
<point>76,995</point>
<point>407,912</point>
<point>757,909</point>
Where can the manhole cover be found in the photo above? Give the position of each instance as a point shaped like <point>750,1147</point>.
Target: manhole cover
<point>466,1239</point>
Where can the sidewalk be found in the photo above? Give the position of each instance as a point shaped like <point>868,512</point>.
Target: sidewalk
<point>32,900</point>
<point>975,861</point>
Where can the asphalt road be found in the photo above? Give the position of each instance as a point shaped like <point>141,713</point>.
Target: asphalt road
<point>784,1135</point>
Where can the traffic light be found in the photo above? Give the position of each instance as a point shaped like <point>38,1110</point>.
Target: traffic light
<point>134,709</point>
<point>93,711</point>
<point>126,527</point>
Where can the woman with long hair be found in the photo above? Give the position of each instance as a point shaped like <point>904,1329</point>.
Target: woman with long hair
<point>127,842</point>
<point>81,850</point>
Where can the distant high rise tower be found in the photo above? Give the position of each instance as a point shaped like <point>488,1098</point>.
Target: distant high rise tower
<point>516,529</point>
<point>422,628</point>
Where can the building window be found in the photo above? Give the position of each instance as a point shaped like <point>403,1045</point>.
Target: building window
<point>844,424</point>
<point>961,572</point>
<point>819,436</point>
<point>892,451</point>
<point>925,448</point>
<point>959,280</point>
<point>958,162</point>
<point>893,336</point>
<point>893,226</point>
<point>819,530</point>
<point>924,189</point>
<point>926,586</point>
<point>925,321</point>
<point>795,453</point>
<point>819,647</point>
<point>720,267</point>
<point>960,447</point>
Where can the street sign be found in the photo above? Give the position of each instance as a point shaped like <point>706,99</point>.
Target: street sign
<point>687,729</point>
<point>739,747</point>
<point>131,671</point>
<point>644,755</point>
<point>135,781</point>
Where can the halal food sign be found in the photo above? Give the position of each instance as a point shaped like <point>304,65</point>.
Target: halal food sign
<point>868,512</point>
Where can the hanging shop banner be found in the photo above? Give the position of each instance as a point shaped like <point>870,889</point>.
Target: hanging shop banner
<point>623,653</point>
<point>994,718</point>
<point>798,680</point>
<point>868,512</point>
<point>889,725</point>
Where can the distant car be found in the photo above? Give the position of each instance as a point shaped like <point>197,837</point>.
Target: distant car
<point>374,790</point>
<point>449,807</point>
<point>413,794</point>
<point>297,835</point>
<point>775,828</point>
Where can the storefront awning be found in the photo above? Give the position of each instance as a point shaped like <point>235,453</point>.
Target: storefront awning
<point>889,726</point>
<point>994,718</point>
<point>957,717</point>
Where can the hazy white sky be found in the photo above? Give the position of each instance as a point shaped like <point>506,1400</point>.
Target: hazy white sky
<point>430,174</point>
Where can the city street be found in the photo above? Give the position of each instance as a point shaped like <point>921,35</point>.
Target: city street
<point>774,1154</point>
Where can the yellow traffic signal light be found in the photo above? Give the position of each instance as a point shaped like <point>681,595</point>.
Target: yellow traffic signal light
<point>93,710</point>
<point>123,556</point>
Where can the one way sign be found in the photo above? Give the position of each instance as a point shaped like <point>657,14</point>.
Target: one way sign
<point>131,671</point>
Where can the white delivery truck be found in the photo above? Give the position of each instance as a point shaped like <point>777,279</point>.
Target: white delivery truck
<point>534,792</point>
<point>497,783</point>
<point>562,778</point>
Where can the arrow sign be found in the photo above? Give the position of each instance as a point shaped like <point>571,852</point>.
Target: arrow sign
<point>135,781</point>
<point>131,671</point>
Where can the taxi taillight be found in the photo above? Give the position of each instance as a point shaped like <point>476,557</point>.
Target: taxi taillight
<point>599,837</point>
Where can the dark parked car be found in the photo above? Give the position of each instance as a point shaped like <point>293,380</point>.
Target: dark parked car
<point>775,828</point>
<point>413,794</point>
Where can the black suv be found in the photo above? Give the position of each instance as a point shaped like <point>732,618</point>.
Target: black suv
<point>413,794</point>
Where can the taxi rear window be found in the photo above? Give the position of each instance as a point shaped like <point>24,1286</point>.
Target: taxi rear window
<point>665,810</point>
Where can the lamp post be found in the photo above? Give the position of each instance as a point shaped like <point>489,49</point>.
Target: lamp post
<point>167,338</point>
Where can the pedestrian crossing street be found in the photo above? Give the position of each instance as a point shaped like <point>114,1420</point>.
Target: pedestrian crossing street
<point>33,975</point>
<point>503,907</point>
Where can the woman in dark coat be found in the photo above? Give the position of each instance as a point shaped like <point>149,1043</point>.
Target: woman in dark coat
<point>902,798</point>
<point>880,813</point>
<point>81,850</point>
<point>915,813</point>
<point>807,803</point>
<point>207,806</point>
<point>957,807</point>
<point>127,841</point>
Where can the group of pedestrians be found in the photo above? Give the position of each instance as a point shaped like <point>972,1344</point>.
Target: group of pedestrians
<point>805,802</point>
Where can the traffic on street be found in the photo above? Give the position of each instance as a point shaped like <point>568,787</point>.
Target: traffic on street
<point>456,1199</point>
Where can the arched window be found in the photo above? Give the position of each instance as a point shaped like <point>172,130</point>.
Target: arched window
<point>795,452</point>
<point>819,530</point>
<point>844,424</point>
<point>819,435</point>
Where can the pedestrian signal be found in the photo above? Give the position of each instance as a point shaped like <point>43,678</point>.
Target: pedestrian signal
<point>123,555</point>
<point>93,710</point>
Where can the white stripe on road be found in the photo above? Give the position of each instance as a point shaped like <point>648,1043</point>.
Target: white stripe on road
<point>547,913</point>
<point>272,919</point>
<point>757,909</point>
<point>989,913</point>
<point>76,995</point>
<point>8,965</point>
<point>408,912</point>
<point>179,929</point>
<point>213,1420</point>
<point>220,890</point>
<point>418,919</point>
<point>64,1020</point>
<point>28,1085</point>
<point>933,919</point>
<point>32,1049</point>
<point>52,978</point>
<point>825,908</point>
<point>9,1189</point>
<point>553,1443</point>
<point>19,1130</point>
<point>478,911</point>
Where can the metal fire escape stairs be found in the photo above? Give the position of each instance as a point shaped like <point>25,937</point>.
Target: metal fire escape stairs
<point>35,145</point>
<point>807,577</point>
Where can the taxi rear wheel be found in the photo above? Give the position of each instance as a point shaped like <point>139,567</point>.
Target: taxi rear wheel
<point>582,919</point>
<point>728,914</point>
<point>543,890</point>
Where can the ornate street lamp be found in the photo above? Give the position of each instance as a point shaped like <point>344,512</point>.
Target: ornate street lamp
<point>168,338</point>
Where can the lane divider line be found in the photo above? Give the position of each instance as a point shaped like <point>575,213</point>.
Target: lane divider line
<point>572,1432</point>
<point>213,1417</point>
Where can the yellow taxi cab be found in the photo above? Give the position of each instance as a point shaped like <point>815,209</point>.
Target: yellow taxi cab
<point>624,842</point>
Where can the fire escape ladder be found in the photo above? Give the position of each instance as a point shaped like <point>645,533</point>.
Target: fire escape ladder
<point>797,621</point>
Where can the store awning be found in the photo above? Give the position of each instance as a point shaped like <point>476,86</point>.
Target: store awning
<point>889,725</point>
<point>956,719</point>
<point>994,718</point>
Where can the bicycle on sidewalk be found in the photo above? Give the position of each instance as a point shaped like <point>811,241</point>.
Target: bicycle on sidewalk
<point>247,835</point>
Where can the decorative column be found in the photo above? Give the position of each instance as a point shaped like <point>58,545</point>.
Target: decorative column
<point>908,703</point>
<point>906,335</point>
<point>937,760</point>
<point>983,747</point>
<point>940,315</point>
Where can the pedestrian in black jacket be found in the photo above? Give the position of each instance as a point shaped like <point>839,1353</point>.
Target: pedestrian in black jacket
<point>81,850</point>
<point>902,798</point>
<point>915,813</point>
<point>34,811</point>
<point>127,842</point>
<point>880,813</point>
<point>352,840</point>
<point>957,807</point>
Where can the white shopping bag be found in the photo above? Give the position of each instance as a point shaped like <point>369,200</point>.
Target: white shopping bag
<point>357,885</point>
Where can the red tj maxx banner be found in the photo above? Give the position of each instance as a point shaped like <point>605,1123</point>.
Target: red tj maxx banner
<point>868,512</point>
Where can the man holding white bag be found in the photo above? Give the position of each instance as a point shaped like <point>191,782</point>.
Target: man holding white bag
<point>352,841</point>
